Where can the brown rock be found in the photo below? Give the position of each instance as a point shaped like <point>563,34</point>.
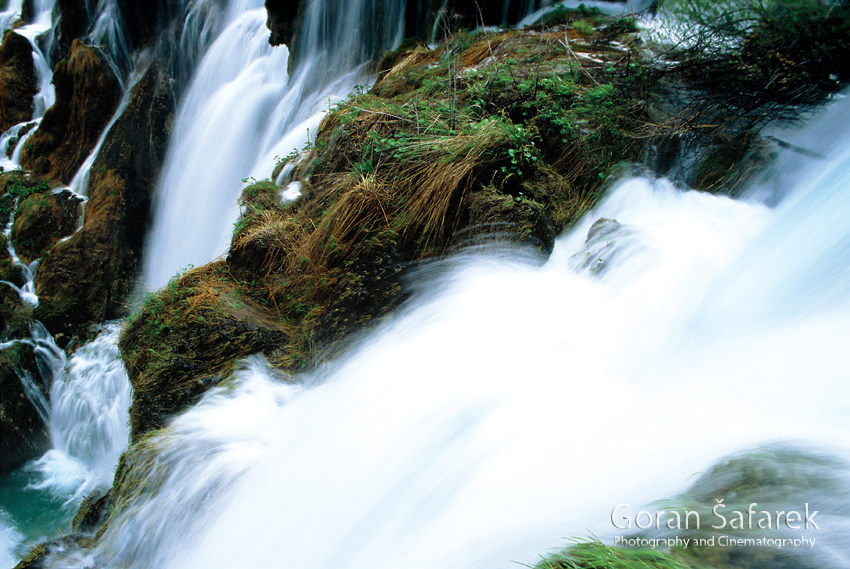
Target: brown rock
<point>87,278</point>
<point>18,82</point>
<point>87,94</point>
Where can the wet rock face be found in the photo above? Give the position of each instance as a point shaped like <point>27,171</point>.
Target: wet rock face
<point>282,20</point>
<point>505,217</point>
<point>87,94</point>
<point>23,433</point>
<point>93,511</point>
<point>87,278</point>
<point>74,20</point>
<point>41,220</point>
<point>18,83</point>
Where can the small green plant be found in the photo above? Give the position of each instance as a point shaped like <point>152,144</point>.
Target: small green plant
<point>363,168</point>
<point>18,186</point>
<point>584,27</point>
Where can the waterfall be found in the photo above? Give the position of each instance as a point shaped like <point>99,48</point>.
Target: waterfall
<point>88,419</point>
<point>242,112</point>
<point>510,405</point>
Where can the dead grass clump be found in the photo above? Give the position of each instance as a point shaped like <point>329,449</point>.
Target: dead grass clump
<point>438,176</point>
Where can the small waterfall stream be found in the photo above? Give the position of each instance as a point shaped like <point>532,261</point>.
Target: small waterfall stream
<point>40,27</point>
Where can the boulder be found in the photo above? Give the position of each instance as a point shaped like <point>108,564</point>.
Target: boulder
<point>87,95</point>
<point>18,82</point>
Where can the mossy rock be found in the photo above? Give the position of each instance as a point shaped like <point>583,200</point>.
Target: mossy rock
<point>186,337</point>
<point>87,95</point>
<point>87,278</point>
<point>23,433</point>
<point>91,515</point>
<point>18,81</point>
<point>41,220</point>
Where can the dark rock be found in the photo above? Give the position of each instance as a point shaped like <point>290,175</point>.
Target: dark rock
<point>41,220</point>
<point>283,16</point>
<point>13,142</point>
<point>514,218</point>
<point>18,82</point>
<point>9,271</point>
<point>74,21</point>
<point>87,278</point>
<point>145,18</point>
<point>420,17</point>
<point>28,11</point>
<point>23,433</point>
<point>370,288</point>
<point>92,513</point>
<point>87,94</point>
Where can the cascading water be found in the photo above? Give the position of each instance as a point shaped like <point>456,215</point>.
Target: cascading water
<point>87,415</point>
<point>512,404</point>
<point>36,31</point>
<point>242,111</point>
<point>88,419</point>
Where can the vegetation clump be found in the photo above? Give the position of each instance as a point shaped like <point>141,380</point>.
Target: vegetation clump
<point>185,337</point>
<point>738,66</point>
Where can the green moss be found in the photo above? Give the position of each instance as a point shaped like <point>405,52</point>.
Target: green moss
<point>16,184</point>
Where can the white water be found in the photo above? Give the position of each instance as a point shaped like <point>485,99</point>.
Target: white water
<point>242,111</point>
<point>512,405</point>
<point>88,419</point>
<point>89,429</point>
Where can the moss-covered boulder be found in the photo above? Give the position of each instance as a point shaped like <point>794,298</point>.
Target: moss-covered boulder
<point>23,432</point>
<point>18,82</point>
<point>88,277</point>
<point>87,94</point>
<point>41,220</point>
<point>186,337</point>
<point>92,513</point>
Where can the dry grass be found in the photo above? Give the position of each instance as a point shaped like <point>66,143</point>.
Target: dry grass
<point>439,175</point>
